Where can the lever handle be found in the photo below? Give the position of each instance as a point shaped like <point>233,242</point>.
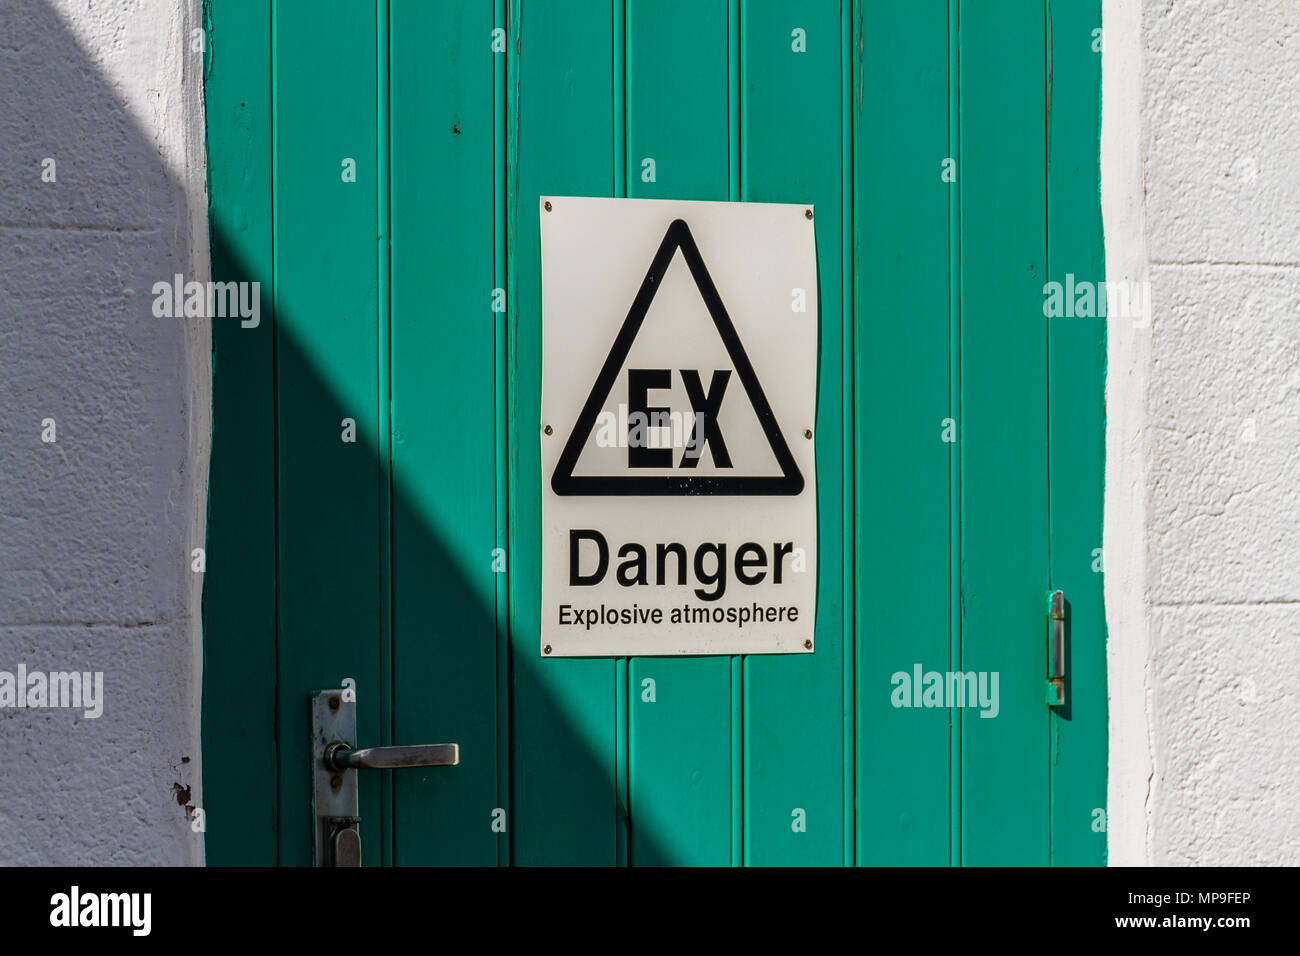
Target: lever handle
<point>340,757</point>
<point>335,798</point>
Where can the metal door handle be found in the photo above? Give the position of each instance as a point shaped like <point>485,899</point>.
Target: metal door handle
<point>336,800</point>
<point>340,757</point>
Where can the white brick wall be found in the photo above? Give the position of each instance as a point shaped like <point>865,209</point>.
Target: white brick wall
<point>1201,194</point>
<point>96,529</point>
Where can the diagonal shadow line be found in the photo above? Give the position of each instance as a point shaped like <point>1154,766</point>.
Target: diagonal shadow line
<point>427,806</point>
<point>250,733</point>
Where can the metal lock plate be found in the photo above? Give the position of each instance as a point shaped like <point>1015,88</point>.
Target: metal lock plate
<point>335,762</point>
<point>336,810</point>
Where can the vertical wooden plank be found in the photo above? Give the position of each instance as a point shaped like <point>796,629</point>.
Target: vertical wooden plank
<point>680,783</point>
<point>239,583</point>
<point>956,607</point>
<point>901,378</point>
<point>794,704</point>
<point>564,796</point>
<point>735,176</point>
<point>383,274</point>
<point>444,426</point>
<point>1002,178</point>
<point>622,689</point>
<point>501,218</point>
<point>327,367</point>
<point>848,401</point>
<point>1076,382</point>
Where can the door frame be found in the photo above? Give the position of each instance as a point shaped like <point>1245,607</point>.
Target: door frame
<point>887,49</point>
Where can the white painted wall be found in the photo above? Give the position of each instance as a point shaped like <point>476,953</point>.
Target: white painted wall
<point>96,529</point>
<point>1201,195</point>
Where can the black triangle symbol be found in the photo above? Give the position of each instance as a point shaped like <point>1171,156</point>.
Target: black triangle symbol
<point>565,482</point>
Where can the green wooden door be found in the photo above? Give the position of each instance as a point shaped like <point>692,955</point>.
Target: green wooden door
<point>375,479</point>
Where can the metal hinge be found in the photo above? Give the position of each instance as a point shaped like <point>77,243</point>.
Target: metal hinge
<point>1055,688</point>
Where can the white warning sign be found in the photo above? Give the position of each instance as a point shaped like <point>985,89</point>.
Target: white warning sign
<point>679,376</point>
